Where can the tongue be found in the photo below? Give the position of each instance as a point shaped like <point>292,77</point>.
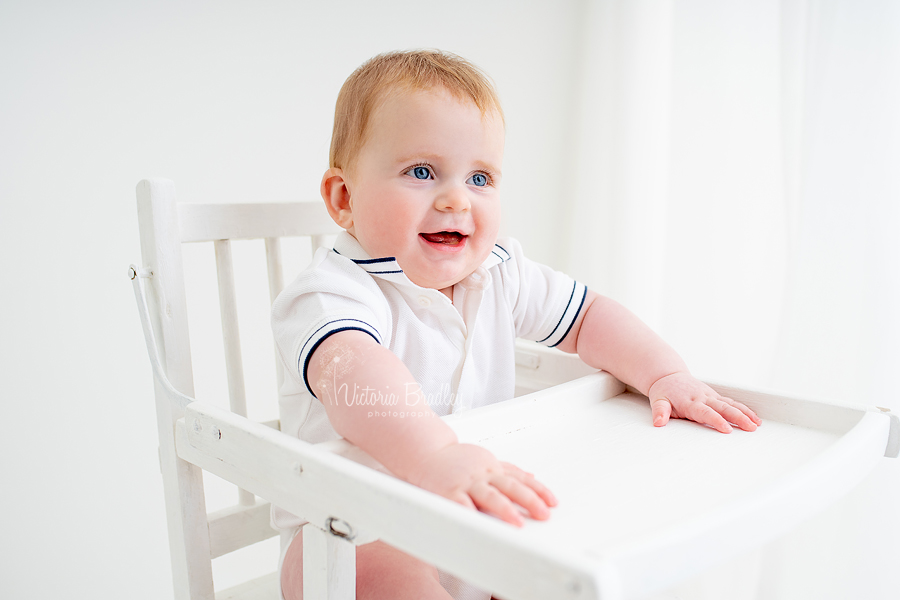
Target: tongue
<point>443,237</point>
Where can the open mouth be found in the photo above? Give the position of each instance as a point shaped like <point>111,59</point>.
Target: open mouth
<point>447,238</point>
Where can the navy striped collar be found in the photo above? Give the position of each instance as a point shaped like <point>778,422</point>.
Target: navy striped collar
<point>498,255</point>
<point>347,246</point>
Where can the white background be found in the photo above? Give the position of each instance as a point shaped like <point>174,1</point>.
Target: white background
<point>727,169</point>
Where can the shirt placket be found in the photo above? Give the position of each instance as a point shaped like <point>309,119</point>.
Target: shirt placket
<point>472,288</point>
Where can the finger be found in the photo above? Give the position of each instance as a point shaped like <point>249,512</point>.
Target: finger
<point>528,479</point>
<point>734,415</point>
<point>510,468</point>
<point>463,498</point>
<point>705,414</point>
<point>662,410</point>
<point>490,500</point>
<point>744,409</point>
<point>522,495</point>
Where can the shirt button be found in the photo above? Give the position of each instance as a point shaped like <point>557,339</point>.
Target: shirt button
<point>424,301</point>
<point>477,280</point>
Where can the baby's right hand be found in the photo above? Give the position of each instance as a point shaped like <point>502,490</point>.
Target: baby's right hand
<point>473,477</point>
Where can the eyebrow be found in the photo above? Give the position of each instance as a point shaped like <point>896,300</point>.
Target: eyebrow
<point>414,156</point>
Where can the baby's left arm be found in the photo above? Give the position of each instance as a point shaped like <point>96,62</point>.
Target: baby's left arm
<point>608,336</point>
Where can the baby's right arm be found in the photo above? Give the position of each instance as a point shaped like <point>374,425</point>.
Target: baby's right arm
<point>352,375</point>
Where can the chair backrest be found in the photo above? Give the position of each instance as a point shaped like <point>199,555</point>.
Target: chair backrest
<point>165,224</point>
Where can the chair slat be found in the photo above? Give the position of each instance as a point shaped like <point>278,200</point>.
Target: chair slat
<point>210,222</point>
<point>231,336</point>
<point>329,565</point>
<point>238,526</point>
<point>230,332</point>
<point>267,587</point>
<point>274,268</point>
<point>276,284</point>
<point>318,241</point>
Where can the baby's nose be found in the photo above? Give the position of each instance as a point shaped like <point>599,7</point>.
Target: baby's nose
<point>453,199</point>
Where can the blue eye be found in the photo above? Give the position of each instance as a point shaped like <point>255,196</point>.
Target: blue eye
<point>420,172</point>
<point>479,179</point>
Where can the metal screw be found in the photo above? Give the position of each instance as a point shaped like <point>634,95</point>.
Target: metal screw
<point>197,427</point>
<point>340,528</point>
<point>216,433</point>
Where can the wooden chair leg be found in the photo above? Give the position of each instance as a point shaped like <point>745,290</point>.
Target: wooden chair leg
<point>329,565</point>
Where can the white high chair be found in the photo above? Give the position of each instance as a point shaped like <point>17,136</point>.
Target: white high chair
<point>586,435</point>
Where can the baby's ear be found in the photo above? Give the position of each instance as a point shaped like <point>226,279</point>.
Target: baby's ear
<point>337,197</point>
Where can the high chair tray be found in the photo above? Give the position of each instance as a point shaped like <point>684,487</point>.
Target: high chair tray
<point>640,508</point>
<point>652,506</point>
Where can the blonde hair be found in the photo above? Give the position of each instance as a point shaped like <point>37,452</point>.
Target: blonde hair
<point>404,71</point>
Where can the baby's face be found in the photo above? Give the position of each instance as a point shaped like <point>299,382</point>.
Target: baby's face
<point>424,187</point>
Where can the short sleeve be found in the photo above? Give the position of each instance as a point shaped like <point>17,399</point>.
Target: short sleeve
<point>545,302</point>
<point>331,296</point>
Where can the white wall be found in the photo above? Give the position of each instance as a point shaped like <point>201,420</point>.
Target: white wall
<point>232,101</point>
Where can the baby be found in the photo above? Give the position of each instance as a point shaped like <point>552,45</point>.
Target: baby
<point>415,312</point>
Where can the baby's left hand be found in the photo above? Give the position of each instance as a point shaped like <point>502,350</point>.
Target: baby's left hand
<point>682,396</point>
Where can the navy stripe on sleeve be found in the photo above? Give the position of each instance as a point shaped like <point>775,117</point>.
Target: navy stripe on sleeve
<point>568,317</point>
<point>562,316</point>
<point>574,318</point>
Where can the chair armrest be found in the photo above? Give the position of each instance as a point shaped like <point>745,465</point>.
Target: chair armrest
<point>324,488</point>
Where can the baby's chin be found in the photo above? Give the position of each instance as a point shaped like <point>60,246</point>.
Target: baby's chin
<point>455,267</point>
<point>439,285</point>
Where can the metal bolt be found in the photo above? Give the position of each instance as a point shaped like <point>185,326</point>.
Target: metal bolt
<point>197,427</point>
<point>340,528</point>
<point>216,433</point>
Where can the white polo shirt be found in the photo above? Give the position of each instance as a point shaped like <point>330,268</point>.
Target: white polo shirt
<point>462,353</point>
